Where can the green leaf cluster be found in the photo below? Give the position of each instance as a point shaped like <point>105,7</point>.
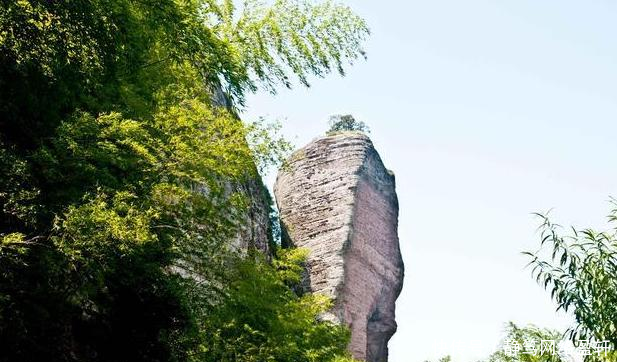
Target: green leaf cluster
<point>262,319</point>
<point>288,37</point>
<point>346,123</point>
<point>580,271</point>
<point>122,152</point>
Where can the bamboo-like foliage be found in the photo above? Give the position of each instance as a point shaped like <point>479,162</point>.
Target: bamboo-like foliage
<point>580,271</point>
<point>274,40</point>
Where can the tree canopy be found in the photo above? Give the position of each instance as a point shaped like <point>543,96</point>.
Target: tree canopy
<point>116,211</point>
<point>346,122</point>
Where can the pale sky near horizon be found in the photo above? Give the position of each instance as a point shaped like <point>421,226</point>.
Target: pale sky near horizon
<point>486,111</point>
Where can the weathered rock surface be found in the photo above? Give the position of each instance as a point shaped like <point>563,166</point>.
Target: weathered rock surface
<point>254,231</point>
<point>337,199</point>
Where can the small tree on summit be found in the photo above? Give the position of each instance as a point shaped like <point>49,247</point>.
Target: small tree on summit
<point>346,122</point>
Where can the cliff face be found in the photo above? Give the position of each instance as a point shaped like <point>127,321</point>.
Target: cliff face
<point>337,199</point>
<point>254,231</point>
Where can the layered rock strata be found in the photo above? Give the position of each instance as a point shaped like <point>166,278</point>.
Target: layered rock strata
<point>336,198</point>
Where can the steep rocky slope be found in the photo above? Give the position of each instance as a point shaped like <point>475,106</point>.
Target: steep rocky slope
<point>337,199</point>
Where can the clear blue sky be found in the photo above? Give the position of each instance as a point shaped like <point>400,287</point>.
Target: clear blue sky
<point>486,111</point>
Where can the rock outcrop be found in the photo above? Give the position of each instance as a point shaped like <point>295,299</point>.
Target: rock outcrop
<point>337,199</point>
<point>254,231</point>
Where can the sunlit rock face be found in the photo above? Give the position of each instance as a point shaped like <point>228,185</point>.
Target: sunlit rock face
<point>337,199</point>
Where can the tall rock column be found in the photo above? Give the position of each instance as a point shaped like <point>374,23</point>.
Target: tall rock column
<point>336,198</point>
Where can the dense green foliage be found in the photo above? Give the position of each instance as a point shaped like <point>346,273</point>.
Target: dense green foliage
<point>117,198</point>
<point>261,318</point>
<point>343,123</point>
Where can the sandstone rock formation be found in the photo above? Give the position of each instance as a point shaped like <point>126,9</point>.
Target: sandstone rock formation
<point>337,199</point>
<point>254,231</point>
